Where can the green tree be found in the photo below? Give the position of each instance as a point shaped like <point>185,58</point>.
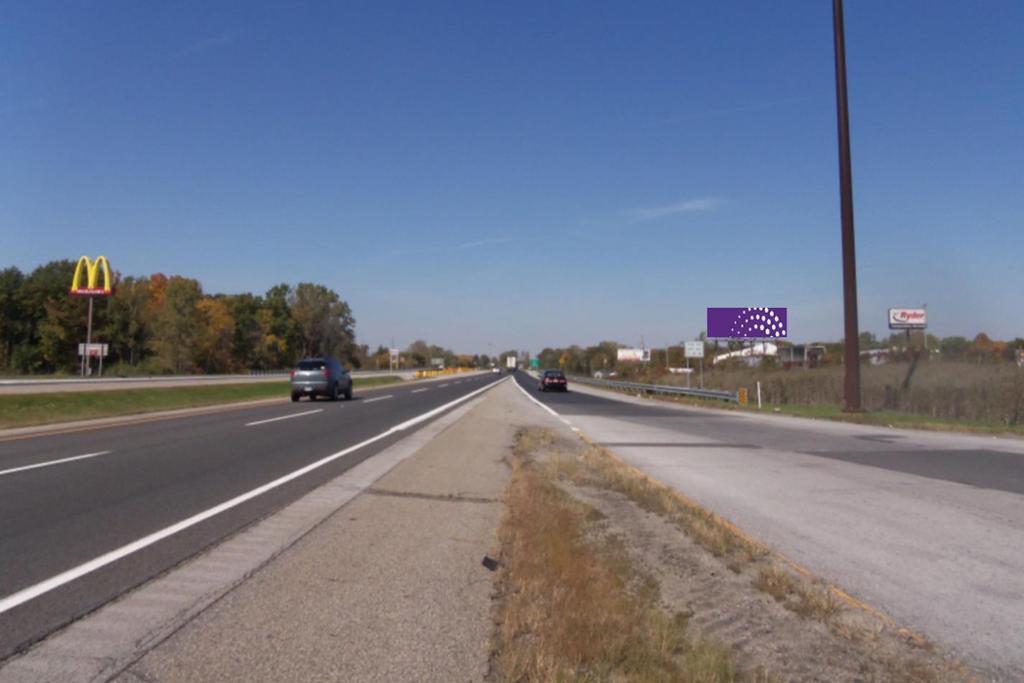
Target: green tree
<point>54,322</point>
<point>127,327</point>
<point>418,354</point>
<point>281,344</point>
<point>248,335</point>
<point>177,324</point>
<point>323,321</point>
<point>954,347</point>
<point>13,328</point>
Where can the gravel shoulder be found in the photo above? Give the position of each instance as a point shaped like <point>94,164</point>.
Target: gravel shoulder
<point>391,587</point>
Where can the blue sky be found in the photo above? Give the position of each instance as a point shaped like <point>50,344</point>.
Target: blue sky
<point>488,175</point>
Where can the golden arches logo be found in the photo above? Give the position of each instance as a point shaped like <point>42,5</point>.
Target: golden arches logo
<point>91,271</point>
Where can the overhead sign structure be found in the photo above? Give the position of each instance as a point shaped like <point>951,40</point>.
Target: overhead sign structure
<point>908,318</point>
<point>694,349</point>
<point>764,322</point>
<point>634,355</point>
<point>90,270</point>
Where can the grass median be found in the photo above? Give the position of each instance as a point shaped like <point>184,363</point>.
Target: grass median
<point>25,410</point>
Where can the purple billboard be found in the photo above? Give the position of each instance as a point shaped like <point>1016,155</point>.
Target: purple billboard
<point>747,323</point>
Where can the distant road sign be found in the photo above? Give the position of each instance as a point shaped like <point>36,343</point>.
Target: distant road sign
<point>535,363</point>
<point>634,355</point>
<point>694,349</point>
<point>94,350</point>
<point>908,318</point>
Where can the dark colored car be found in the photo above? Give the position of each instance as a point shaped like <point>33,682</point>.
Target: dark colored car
<point>553,380</point>
<point>321,377</point>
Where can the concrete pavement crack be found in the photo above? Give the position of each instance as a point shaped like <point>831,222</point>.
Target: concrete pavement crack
<point>444,498</point>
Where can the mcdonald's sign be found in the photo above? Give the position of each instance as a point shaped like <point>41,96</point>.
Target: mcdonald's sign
<point>90,270</point>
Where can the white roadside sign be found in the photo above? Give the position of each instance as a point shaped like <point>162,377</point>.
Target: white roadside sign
<point>908,318</point>
<point>95,350</point>
<point>634,355</point>
<point>694,349</point>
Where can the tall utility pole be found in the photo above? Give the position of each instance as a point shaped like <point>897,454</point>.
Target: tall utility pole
<point>851,341</point>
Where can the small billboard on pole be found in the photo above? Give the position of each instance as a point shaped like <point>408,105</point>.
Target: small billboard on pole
<point>908,318</point>
<point>634,355</point>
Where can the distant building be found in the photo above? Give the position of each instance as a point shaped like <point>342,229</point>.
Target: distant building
<point>802,355</point>
<point>751,355</point>
<point>876,356</point>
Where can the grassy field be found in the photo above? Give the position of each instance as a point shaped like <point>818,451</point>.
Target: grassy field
<point>23,410</point>
<point>881,418</point>
<point>942,395</point>
<point>893,418</point>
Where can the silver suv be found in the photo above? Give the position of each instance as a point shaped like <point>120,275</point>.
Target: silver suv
<point>321,377</point>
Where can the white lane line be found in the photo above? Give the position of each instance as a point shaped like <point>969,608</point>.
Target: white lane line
<point>459,382</point>
<point>545,407</point>
<point>527,395</point>
<point>24,595</point>
<point>442,386</point>
<point>51,462</point>
<point>416,391</point>
<point>283,417</point>
<point>378,398</point>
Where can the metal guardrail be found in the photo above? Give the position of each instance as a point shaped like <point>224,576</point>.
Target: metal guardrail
<point>729,396</point>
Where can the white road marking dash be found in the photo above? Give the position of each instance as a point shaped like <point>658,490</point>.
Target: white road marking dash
<point>51,462</point>
<point>283,417</point>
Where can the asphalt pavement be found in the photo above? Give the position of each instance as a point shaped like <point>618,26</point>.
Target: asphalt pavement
<point>926,527</point>
<point>86,516</point>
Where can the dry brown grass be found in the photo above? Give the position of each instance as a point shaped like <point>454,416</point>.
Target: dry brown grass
<point>807,598</point>
<point>596,466</point>
<point>795,589</point>
<point>573,609</point>
<point>946,390</point>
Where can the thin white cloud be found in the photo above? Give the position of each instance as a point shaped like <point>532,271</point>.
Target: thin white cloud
<point>726,111</point>
<point>687,206</point>
<point>480,243</point>
<point>222,39</point>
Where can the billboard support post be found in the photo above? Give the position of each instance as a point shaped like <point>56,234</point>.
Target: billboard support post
<point>851,334</point>
<point>88,340</point>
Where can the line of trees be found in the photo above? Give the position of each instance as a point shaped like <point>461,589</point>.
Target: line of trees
<point>167,324</point>
<point>603,356</point>
<point>420,354</point>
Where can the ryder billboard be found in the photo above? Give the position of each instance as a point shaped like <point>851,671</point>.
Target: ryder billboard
<point>766,322</point>
<point>908,318</point>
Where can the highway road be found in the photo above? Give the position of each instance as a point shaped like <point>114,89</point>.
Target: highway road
<point>87,515</point>
<point>927,527</point>
<point>43,385</point>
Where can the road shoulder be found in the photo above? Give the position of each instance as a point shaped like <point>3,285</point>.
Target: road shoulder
<point>391,587</point>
